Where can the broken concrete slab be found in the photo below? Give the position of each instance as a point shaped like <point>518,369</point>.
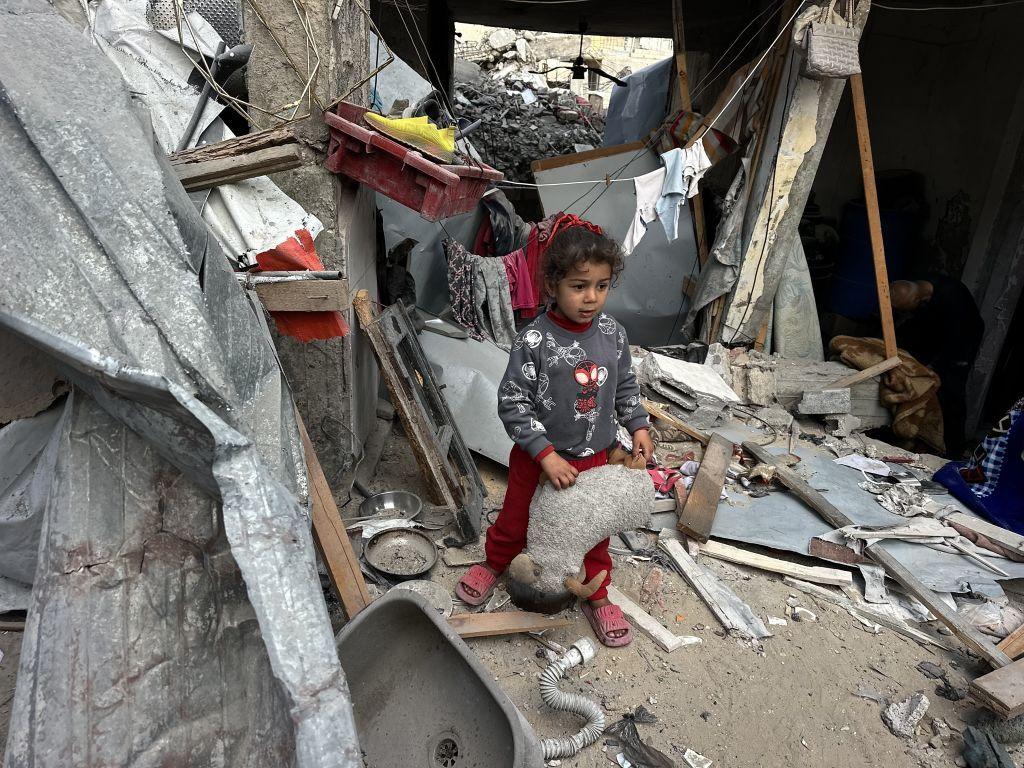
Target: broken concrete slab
<point>755,384</point>
<point>902,717</point>
<point>841,425</point>
<point>699,382</point>
<point>794,377</point>
<point>775,416</point>
<point>824,402</point>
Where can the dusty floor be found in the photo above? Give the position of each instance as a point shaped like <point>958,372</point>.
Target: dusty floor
<point>792,704</point>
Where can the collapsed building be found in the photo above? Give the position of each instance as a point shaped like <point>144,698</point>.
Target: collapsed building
<point>282,228</point>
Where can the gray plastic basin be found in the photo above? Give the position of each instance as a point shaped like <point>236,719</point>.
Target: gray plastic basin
<point>420,696</point>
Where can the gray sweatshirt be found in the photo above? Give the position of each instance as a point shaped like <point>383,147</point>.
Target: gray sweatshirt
<point>570,390</point>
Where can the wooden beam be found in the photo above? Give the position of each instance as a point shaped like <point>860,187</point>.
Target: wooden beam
<point>858,376</point>
<point>1013,542</point>
<point>732,612</point>
<point>647,624</point>
<point>8,625</point>
<point>816,574</point>
<point>505,623</point>
<point>423,443</point>
<point>867,167</point>
<point>702,502</point>
<point>831,514</point>
<point>244,157</point>
<point>1002,691</point>
<point>304,295</point>
<point>1013,644</point>
<point>683,84</point>
<point>560,161</point>
<point>330,536</point>
<point>660,412</point>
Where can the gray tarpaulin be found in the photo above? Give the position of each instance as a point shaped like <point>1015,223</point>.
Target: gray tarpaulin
<point>635,111</point>
<point>176,615</point>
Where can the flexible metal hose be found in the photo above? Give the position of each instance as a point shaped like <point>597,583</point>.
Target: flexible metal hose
<point>581,652</point>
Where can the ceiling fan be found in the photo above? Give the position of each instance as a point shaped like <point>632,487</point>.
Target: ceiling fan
<point>581,65</point>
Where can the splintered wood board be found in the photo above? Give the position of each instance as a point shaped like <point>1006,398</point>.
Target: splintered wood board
<point>650,626</point>
<point>702,502</point>
<point>506,623</point>
<point>816,574</point>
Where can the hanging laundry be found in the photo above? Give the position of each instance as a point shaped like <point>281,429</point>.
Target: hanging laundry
<point>683,170</point>
<point>460,287</point>
<point>508,230</point>
<point>479,292</point>
<point>648,195</point>
<point>520,281</point>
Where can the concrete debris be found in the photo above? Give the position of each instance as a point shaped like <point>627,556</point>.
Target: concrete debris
<point>902,717</point>
<point>775,416</point>
<point>753,377</point>
<point>841,425</point>
<point>698,389</point>
<point>522,118</point>
<point>719,360</point>
<point>825,401</point>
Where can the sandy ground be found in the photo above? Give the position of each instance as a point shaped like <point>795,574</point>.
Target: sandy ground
<point>791,703</point>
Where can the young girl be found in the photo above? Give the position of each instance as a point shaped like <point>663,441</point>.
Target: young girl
<point>567,387</point>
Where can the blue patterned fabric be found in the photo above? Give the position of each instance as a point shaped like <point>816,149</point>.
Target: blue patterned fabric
<point>991,482</point>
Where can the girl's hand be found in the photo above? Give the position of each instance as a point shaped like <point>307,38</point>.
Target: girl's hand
<point>560,472</point>
<point>642,445</point>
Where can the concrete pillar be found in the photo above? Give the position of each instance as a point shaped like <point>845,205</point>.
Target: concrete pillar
<point>334,382</point>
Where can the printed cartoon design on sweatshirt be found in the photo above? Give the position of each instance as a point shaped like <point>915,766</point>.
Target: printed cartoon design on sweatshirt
<point>569,390</point>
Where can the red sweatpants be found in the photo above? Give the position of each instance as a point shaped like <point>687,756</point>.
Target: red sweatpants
<point>507,537</point>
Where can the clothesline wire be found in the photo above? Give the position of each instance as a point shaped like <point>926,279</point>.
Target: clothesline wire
<point>707,127</point>
<point>714,71</point>
<point>947,7</point>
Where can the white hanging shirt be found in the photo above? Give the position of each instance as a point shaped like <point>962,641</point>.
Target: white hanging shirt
<point>648,193</point>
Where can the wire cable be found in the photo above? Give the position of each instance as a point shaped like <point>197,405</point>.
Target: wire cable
<point>980,6</point>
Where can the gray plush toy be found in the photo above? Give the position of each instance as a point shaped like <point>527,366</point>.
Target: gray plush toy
<point>566,524</point>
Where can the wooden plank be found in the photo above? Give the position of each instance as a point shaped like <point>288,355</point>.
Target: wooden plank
<point>867,167</point>
<point>964,631</point>
<point>647,624</point>
<point>205,174</point>
<point>423,449</point>
<point>816,574</point>
<point>732,612</point>
<point>660,412</point>
<point>702,502</point>
<point>330,536</point>
<point>1002,691</point>
<point>1013,644</point>
<point>304,296</point>
<point>683,85</point>
<point>8,625</point>
<point>858,376</point>
<point>505,623</point>
<point>547,163</point>
<point>240,145</point>
<point>837,553</point>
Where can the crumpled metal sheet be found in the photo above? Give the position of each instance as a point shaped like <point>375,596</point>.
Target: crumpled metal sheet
<point>177,616</point>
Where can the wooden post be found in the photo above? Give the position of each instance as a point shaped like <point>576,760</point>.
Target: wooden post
<point>330,536</point>
<point>867,167</point>
<point>683,83</point>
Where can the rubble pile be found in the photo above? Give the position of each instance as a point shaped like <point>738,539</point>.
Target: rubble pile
<point>524,115</point>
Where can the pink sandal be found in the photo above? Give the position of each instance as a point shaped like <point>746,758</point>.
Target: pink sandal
<point>480,580</point>
<point>608,619</point>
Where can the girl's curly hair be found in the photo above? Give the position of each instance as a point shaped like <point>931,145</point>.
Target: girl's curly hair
<point>577,245</point>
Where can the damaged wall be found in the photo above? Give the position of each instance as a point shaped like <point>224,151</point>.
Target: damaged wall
<point>939,89</point>
<point>334,382</point>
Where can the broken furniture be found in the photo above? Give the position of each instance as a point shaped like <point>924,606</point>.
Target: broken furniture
<point>436,190</point>
<point>402,660</point>
<point>437,444</point>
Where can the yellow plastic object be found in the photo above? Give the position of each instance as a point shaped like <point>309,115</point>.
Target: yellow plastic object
<point>417,131</point>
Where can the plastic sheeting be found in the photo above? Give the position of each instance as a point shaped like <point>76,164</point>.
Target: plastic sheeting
<point>177,615</point>
<point>635,111</point>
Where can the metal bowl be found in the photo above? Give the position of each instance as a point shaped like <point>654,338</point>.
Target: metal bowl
<point>392,504</point>
<point>400,553</point>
